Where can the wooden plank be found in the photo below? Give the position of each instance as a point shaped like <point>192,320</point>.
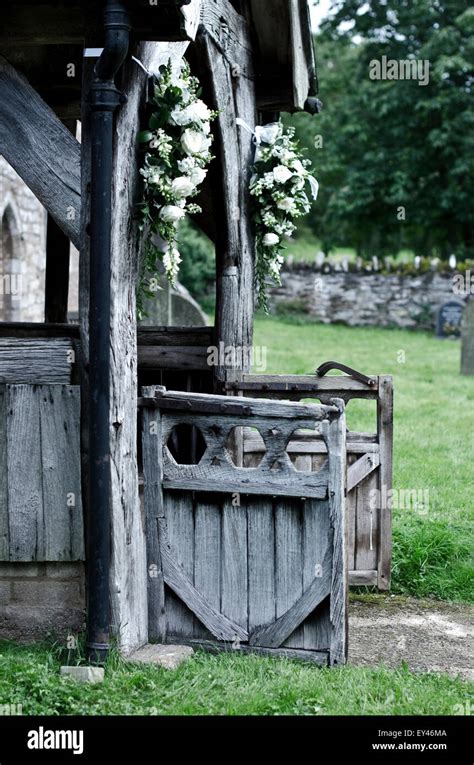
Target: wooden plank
<point>59,408</point>
<point>288,563</point>
<point>305,383</point>
<point>175,336</point>
<point>316,657</point>
<point>207,556</point>
<point>178,508</point>
<point>227,479</point>
<point>234,571</point>
<point>153,496</point>
<point>362,578</point>
<point>274,635</point>
<point>385,431</point>
<point>317,540</point>
<point>261,563</point>
<point>220,625</point>
<point>334,431</point>
<point>245,407</point>
<point>231,90</point>
<point>4,530</point>
<point>179,357</point>
<point>25,484</point>
<point>359,470</point>
<point>367,524</point>
<point>36,361</point>
<point>41,150</point>
<point>230,33</point>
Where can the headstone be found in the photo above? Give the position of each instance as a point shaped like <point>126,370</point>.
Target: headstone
<point>467,338</point>
<point>173,308</point>
<point>448,323</point>
<point>320,258</point>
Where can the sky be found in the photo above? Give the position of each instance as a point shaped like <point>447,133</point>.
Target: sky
<point>319,12</point>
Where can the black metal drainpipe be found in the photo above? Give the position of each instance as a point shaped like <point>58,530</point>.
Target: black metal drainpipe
<point>103,98</point>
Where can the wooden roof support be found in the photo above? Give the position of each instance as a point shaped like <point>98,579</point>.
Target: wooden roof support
<point>224,51</point>
<point>41,150</point>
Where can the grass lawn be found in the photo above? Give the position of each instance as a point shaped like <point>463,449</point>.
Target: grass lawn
<point>433,439</point>
<point>223,685</point>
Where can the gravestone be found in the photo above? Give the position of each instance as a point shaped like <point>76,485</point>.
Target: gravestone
<point>448,322</point>
<point>173,307</point>
<point>467,335</point>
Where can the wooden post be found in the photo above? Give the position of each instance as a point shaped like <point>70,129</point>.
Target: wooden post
<point>128,579</point>
<point>467,339</point>
<point>385,432</point>
<point>225,51</point>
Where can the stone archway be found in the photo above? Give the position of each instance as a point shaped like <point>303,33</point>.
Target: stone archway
<point>10,257</point>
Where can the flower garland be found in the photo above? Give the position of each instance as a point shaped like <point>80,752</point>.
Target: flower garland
<point>278,186</point>
<point>177,151</point>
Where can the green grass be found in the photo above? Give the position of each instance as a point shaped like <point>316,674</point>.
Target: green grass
<point>223,685</point>
<point>433,439</point>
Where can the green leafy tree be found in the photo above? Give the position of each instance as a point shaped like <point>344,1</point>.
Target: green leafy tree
<point>396,166</point>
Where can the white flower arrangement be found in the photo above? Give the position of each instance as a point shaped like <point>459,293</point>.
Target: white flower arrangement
<point>280,175</point>
<point>177,151</point>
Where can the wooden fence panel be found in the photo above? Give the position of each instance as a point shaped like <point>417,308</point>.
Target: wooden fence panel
<point>369,461</point>
<point>40,480</point>
<point>234,565</point>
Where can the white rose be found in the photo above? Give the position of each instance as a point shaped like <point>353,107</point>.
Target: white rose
<point>179,117</point>
<point>269,240</point>
<point>199,111</point>
<point>286,204</point>
<point>197,175</point>
<point>171,213</point>
<point>182,187</point>
<point>281,174</point>
<point>194,142</point>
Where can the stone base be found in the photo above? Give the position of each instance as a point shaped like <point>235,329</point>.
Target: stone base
<point>168,656</point>
<point>84,674</point>
<point>41,600</point>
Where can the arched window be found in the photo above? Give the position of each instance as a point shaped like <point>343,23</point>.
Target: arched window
<point>9,279</point>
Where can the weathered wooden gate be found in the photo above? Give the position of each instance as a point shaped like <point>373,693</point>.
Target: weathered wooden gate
<point>369,461</point>
<point>248,558</point>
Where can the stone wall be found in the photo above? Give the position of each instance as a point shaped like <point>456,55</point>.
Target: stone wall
<point>39,600</point>
<point>23,252</point>
<point>363,298</point>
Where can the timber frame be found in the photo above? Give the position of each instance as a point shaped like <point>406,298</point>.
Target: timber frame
<point>254,58</point>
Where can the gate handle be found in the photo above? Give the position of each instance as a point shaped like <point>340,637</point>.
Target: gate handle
<point>329,365</point>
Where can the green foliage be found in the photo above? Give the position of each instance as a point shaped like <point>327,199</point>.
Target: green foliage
<point>390,144</point>
<point>198,270</point>
<point>227,684</point>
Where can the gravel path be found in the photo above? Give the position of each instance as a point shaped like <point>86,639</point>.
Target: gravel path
<point>430,636</point>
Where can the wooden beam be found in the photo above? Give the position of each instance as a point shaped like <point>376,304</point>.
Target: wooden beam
<point>41,150</point>
<point>359,470</point>
<point>224,51</point>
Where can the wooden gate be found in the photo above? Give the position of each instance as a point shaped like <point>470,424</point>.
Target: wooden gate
<point>369,461</point>
<point>245,558</point>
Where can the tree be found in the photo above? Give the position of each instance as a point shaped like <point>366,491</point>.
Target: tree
<point>396,167</point>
